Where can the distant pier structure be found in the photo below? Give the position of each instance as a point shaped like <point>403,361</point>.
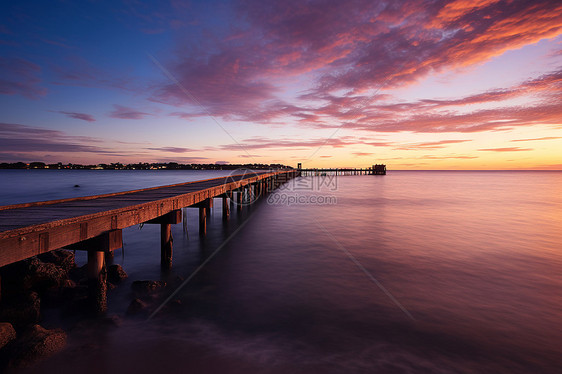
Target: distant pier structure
<point>374,170</point>
<point>379,169</point>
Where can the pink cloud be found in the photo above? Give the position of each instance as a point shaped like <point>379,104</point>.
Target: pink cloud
<point>173,149</point>
<point>429,145</point>
<point>263,143</point>
<point>506,149</point>
<point>81,116</point>
<point>377,45</point>
<point>359,154</point>
<point>535,139</point>
<point>123,112</point>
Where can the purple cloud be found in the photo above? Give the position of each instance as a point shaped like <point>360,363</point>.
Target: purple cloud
<point>20,77</point>
<point>173,149</point>
<point>81,116</point>
<point>23,140</point>
<point>123,112</point>
<point>377,45</point>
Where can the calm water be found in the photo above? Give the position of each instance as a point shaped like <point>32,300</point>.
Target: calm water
<point>412,272</point>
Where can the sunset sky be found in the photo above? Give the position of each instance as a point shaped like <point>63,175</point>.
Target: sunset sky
<point>466,84</point>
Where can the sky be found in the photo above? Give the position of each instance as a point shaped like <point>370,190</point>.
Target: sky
<point>463,84</point>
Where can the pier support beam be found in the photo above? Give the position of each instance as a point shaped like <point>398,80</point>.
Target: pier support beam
<point>202,221</point>
<point>97,249</point>
<point>166,246</point>
<point>225,208</point>
<point>97,281</point>
<point>166,238</point>
<point>204,210</point>
<point>240,193</point>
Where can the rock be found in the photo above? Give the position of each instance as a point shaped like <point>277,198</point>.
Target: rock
<point>116,274</point>
<point>44,275</point>
<point>35,344</point>
<point>22,310</point>
<point>7,334</point>
<point>31,273</point>
<point>136,306</point>
<point>146,287</point>
<point>61,257</point>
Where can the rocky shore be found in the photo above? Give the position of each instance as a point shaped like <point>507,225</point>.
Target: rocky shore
<point>53,280</point>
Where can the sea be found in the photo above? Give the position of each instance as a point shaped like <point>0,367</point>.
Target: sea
<point>411,272</point>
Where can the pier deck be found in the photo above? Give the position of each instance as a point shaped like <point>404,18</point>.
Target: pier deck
<point>30,229</point>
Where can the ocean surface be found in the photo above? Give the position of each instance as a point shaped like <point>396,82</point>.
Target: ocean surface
<point>412,272</point>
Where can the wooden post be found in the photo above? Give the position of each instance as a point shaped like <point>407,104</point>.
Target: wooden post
<point>202,221</point>
<point>239,197</point>
<point>166,246</point>
<point>97,281</point>
<point>208,206</point>
<point>225,208</point>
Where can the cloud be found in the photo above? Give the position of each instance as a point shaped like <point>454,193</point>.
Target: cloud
<point>75,70</point>
<point>173,149</point>
<point>506,149</point>
<point>187,116</point>
<point>426,116</point>
<point>497,119</point>
<point>249,156</point>
<point>359,154</point>
<point>243,73</point>
<point>263,143</point>
<point>123,112</point>
<point>81,116</point>
<point>433,157</point>
<point>429,145</point>
<point>184,160</point>
<point>16,139</point>
<point>20,77</point>
<point>535,139</point>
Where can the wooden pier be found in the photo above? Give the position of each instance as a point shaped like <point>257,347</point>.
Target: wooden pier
<point>95,223</point>
<point>374,170</point>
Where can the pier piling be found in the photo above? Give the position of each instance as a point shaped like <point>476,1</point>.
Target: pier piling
<point>166,246</point>
<point>225,208</point>
<point>69,223</point>
<point>202,221</point>
<point>97,281</point>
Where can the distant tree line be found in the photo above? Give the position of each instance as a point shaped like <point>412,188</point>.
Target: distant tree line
<point>140,166</point>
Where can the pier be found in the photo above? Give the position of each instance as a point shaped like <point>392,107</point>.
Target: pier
<point>95,223</point>
<point>374,170</point>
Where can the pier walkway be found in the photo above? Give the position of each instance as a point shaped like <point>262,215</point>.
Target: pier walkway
<point>95,223</point>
